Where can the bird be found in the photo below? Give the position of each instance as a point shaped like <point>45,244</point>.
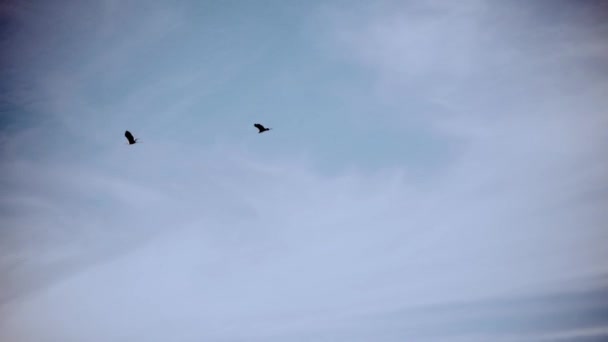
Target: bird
<point>261,128</point>
<point>129,137</point>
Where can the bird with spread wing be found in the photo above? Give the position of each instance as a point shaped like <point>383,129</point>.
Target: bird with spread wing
<point>130,138</point>
<point>261,128</point>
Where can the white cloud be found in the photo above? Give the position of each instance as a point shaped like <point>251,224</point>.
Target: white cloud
<point>166,240</point>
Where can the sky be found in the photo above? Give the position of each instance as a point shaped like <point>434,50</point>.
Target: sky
<point>436,171</point>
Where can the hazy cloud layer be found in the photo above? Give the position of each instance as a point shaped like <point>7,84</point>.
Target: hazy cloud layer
<point>437,171</point>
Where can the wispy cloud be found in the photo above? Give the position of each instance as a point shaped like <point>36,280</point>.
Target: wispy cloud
<point>208,230</point>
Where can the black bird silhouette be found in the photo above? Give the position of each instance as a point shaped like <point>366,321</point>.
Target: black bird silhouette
<point>261,128</point>
<point>129,137</point>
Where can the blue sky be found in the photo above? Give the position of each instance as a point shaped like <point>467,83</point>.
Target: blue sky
<point>436,171</point>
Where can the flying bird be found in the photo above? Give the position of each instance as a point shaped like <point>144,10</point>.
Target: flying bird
<point>261,128</point>
<point>130,137</point>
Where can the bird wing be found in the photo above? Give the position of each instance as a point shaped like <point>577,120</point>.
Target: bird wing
<point>129,136</point>
<point>258,126</point>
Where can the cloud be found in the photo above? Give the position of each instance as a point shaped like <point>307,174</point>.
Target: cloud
<point>192,235</point>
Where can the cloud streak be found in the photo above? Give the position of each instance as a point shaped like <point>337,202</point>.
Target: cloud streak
<point>483,193</point>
